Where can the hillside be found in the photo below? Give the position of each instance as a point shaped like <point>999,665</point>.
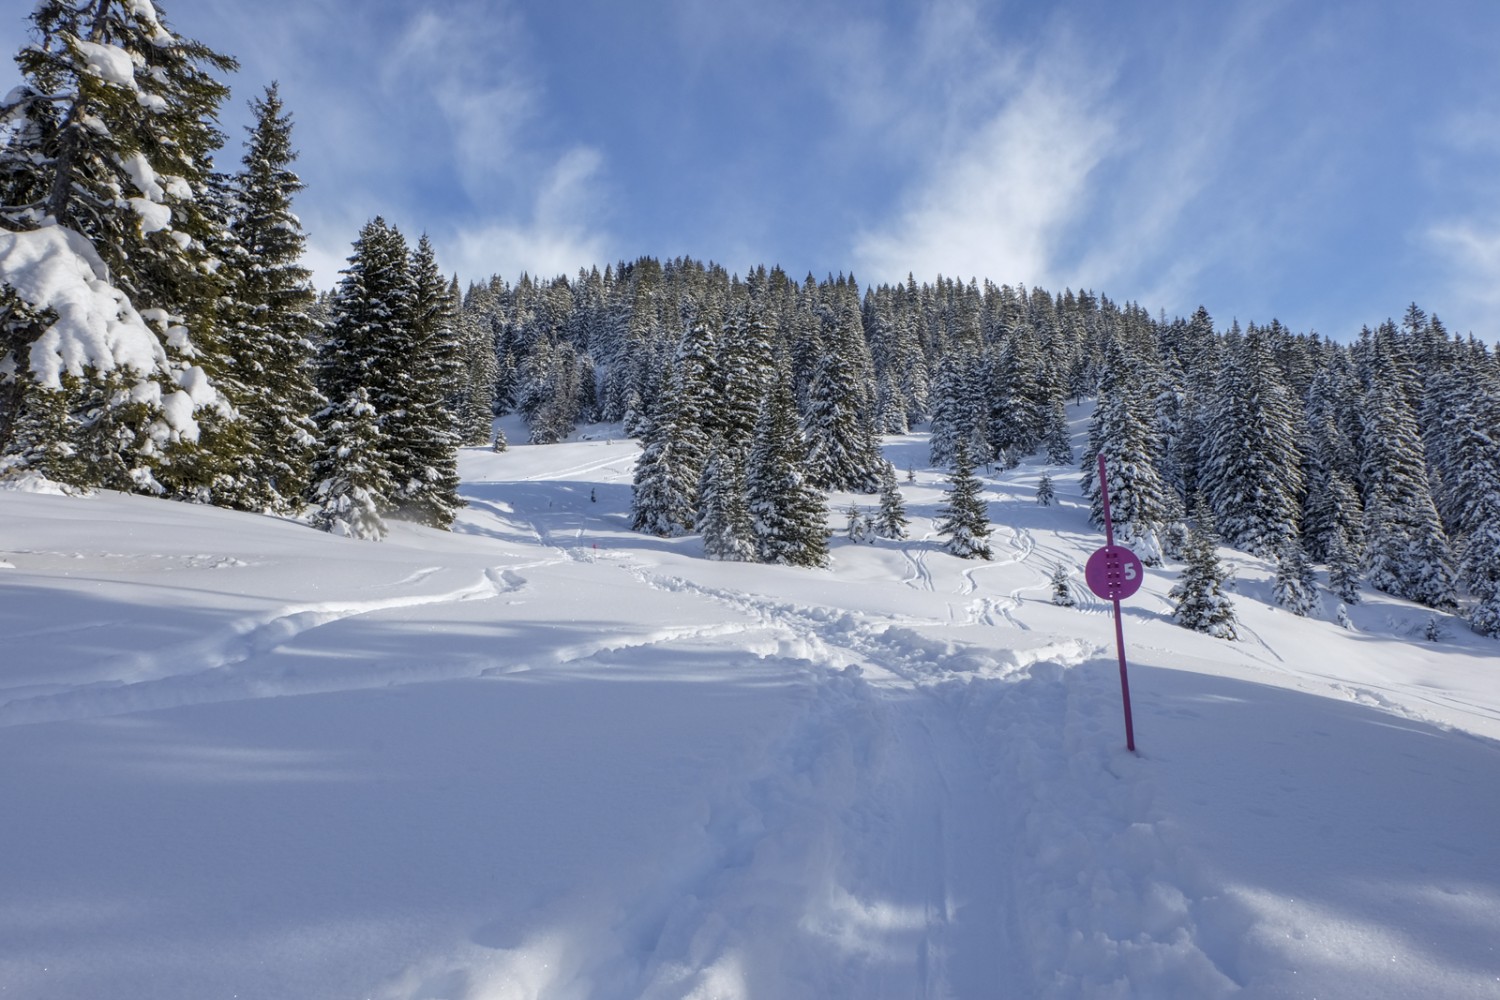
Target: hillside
<point>545,756</point>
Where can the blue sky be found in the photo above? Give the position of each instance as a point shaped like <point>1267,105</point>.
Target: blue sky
<point>1320,163</point>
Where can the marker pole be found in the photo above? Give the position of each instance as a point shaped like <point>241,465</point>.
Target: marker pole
<point>1109,536</point>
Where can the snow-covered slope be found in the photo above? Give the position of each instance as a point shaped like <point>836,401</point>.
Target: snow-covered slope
<point>543,756</point>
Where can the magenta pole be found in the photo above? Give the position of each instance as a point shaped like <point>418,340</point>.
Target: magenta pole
<point>1109,538</point>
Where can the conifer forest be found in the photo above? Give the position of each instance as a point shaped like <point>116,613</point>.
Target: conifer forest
<point>162,336</point>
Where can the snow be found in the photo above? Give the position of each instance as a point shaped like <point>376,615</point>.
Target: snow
<point>55,268</point>
<point>153,216</point>
<point>97,327</point>
<point>546,757</point>
<point>141,174</point>
<point>108,62</point>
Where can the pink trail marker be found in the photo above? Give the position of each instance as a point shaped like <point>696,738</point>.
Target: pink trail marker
<point>1114,572</point>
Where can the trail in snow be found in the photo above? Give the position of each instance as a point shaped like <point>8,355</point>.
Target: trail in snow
<point>203,670</point>
<point>540,771</point>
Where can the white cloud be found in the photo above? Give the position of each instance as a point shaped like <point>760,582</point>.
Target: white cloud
<point>466,60</point>
<point>997,203</point>
<point>560,237</point>
<point>1472,295</point>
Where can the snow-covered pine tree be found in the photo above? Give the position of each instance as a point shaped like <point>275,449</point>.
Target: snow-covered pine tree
<point>1481,569</point>
<point>953,414</point>
<point>499,444</point>
<point>1199,601</point>
<point>841,450</point>
<point>891,520</point>
<point>664,494</point>
<point>790,517</point>
<point>1251,470</point>
<point>854,527</point>
<point>745,355</point>
<point>481,370</point>
<point>422,428</point>
<point>350,477</point>
<point>728,534</point>
<point>370,311</point>
<point>105,155</point>
<point>269,340</point>
<point>1057,437</point>
<point>1062,593</point>
<point>1406,550</point>
<point>1045,492</point>
<point>1343,571</point>
<point>1119,430</point>
<point>1296,588</point>
<point>964,518</point>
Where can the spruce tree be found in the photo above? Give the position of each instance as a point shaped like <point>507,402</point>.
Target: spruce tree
<point>854,527</point>
<point>422,424</point>
<point>891,520</point>
<point>1138,498</point>
<point>1199,601</point>
<point>1251,470</point>
<point>1481,565</point>
<point>1045,492</point>
<point>663,495</point>
<point>841,451</point>
<point>106,173</point>
<point>270,340</point>
<point>728,533</point>
<point>789,516</point>
<point>351,481</point>
<point>1296,588</point>
<point>964,519</point>
<point>1062,593</point>
<point>1406,548</point>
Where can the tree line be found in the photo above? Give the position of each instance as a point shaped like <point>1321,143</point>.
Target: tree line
<point>161,335</point>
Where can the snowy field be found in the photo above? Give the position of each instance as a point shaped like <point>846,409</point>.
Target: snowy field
<point>543,756</point>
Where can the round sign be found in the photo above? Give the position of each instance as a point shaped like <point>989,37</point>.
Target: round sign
<point>1114,572</point>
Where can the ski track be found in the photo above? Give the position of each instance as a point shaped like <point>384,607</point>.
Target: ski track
<point>204,670</point>
<point>578,470</point>
<point>999,778</point>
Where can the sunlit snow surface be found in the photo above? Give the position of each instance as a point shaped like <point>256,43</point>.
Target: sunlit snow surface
<point>544,756</point>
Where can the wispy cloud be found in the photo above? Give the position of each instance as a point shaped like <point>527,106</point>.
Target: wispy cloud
<point>466,60</point>
<point>996,201</point>
<point>1471,249</point>
<point>561,235</point>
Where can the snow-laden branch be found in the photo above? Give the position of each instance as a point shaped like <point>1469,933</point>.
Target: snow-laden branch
<point>97,327</point>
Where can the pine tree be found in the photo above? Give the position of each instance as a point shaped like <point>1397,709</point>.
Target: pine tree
<point>1251,470</point>
<point>964,519</point>
<point>421,423</point>
<point>1058,439</point>
<point>891,521</point>
<point>270,340</point>
<point>1199,600</point>
<point>1062,593</point>
<point>841,451</point>
<point>1118,430</point>
<point>1296,588</point>
<point>790,517</point>
<point>728,533</point>
<point>1481,565</point>
<point>105,174</point>
<point>664,492</point>
<point>351,480</point>
<point>1045,493</point>
<point>1343,570</point>
<point>1406,548</point>
<point>854,528</point>
<point>500,444</point>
